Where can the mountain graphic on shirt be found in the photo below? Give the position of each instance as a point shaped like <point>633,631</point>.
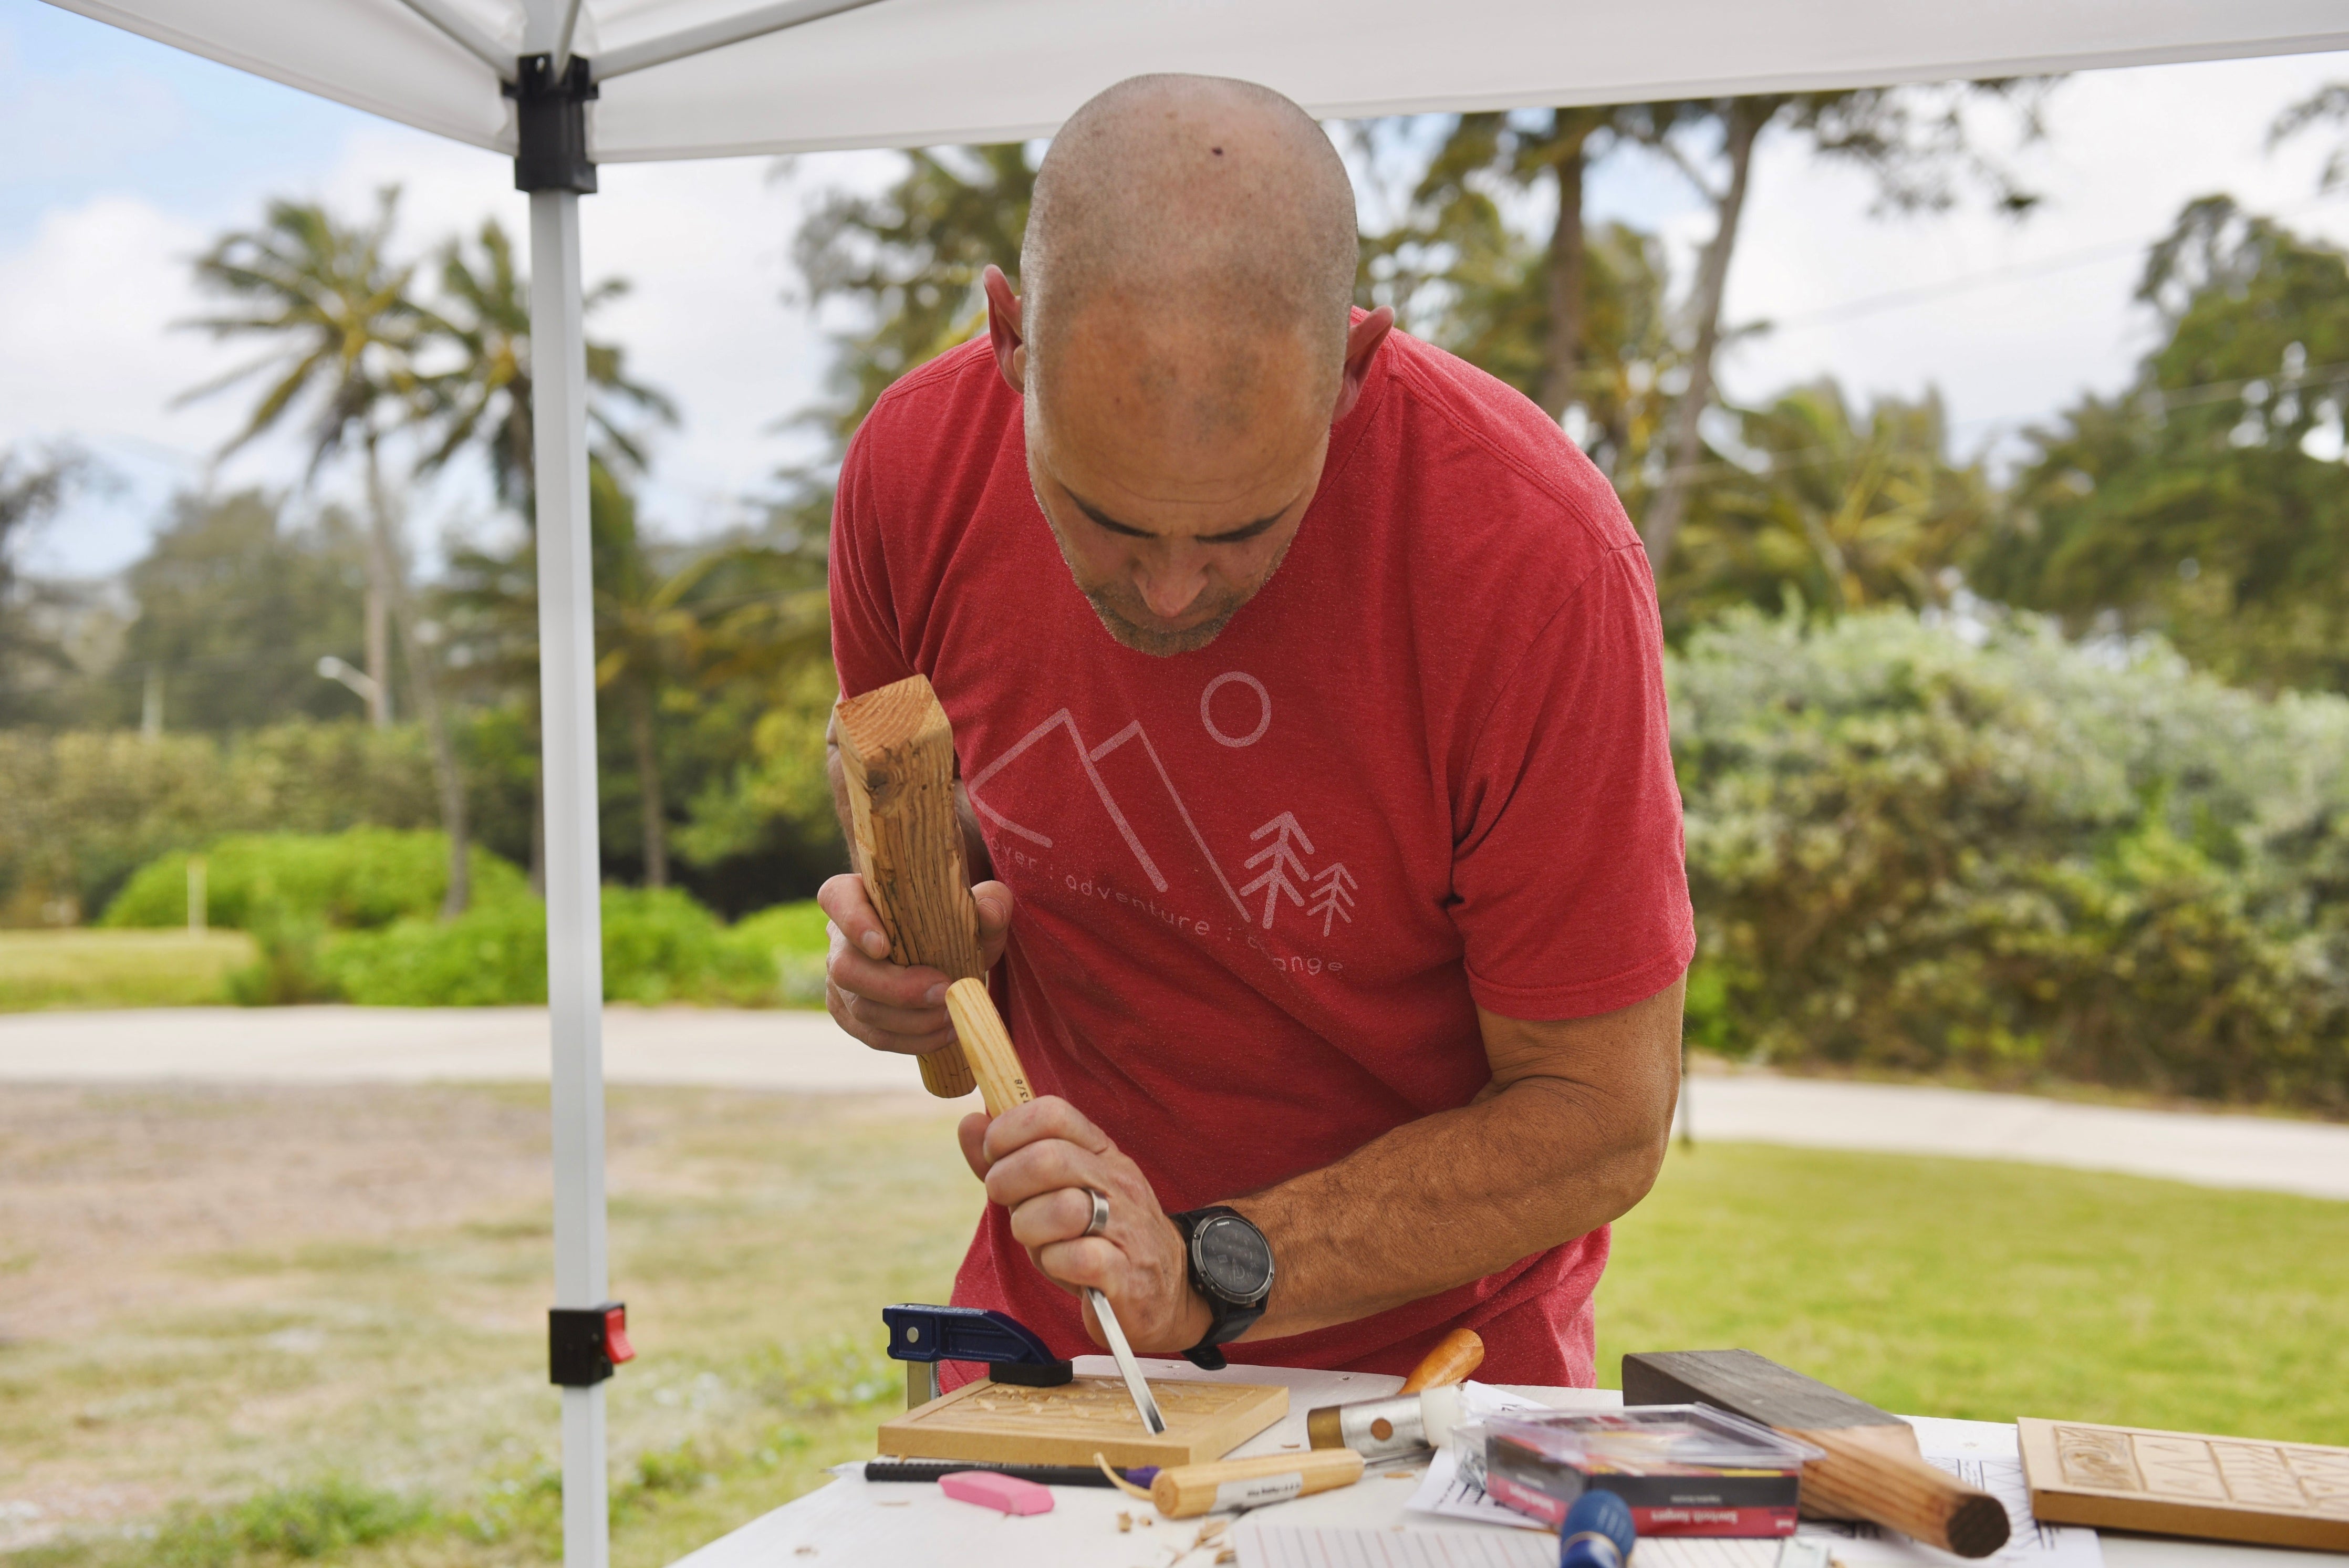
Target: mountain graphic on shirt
<point>1127,767</point>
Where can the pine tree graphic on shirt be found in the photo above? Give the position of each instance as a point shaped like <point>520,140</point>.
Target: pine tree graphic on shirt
<point>1333,895</point>
<point>1275,882</point>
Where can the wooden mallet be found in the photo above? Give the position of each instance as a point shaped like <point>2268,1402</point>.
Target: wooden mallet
<point>905,838</point>
<point>897,758</point>
<point>1873,1469</point>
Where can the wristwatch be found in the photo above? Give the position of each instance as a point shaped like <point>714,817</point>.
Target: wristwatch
<point>1231,1266</point>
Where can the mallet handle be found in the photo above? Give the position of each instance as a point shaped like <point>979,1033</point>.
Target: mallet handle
<point>987,1046</point>
<point>1866,1476</point>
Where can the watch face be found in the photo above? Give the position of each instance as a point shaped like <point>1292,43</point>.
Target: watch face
<point>1233,1257</point>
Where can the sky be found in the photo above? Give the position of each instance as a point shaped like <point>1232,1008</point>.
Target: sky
<point>120,159</point>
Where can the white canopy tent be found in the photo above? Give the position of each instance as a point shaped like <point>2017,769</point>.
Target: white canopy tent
<point>659,79</point>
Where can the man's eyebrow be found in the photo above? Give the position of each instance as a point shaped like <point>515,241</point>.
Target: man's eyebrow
<point>1238,536</point>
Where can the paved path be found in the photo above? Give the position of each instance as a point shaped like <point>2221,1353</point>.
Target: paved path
<point>802,1051</point>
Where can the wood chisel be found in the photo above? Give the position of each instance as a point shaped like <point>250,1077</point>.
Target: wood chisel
<point>1416,1417</point>
<point>1002,1083</point>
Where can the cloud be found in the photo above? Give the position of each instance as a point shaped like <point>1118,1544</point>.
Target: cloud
<point>86,314</point>
<point>89,291</point>
<point>2014,319</point>
<point>88,350</point>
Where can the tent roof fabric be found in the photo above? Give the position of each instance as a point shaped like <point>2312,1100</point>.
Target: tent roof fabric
<point>910,73</point>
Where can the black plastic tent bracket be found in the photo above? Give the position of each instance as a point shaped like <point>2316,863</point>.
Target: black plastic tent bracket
<point>551,113</point>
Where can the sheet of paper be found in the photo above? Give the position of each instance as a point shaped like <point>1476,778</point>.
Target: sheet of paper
<point>1328,1546</point>
<point>1446,1491</point>
<point>1306,1546</point>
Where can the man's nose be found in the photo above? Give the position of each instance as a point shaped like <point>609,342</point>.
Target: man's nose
<point>1172,586</point>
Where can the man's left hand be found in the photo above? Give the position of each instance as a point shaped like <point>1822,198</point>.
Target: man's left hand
<point>1042,1161</point>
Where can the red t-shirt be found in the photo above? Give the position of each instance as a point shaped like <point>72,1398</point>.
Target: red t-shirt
<point>1262,886</point>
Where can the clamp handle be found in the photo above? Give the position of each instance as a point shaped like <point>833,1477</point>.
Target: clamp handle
<point>1009,1348</point>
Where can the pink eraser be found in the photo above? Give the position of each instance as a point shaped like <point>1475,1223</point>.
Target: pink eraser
<point>1005,1494</point>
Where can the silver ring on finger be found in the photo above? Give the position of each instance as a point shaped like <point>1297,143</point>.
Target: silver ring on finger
<point>1099,1221</point>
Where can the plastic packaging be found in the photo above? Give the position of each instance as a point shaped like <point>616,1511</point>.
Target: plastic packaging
<point>1683,1470</point>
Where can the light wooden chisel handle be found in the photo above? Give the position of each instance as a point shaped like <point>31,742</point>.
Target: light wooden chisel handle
<point>1188,1490</point>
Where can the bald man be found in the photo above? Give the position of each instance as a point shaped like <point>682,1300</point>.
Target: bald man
<point>1306,687</point>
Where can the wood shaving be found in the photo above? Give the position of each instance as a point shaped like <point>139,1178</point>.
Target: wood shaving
<point>1118,1480</point>
<point>1126,1524</point>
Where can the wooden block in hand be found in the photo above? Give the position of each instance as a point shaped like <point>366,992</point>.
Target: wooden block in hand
<point>897,759</point>
<point>1873,1469</point>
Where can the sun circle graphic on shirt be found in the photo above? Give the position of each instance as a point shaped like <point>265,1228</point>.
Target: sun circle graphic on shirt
<point>1264,708</point>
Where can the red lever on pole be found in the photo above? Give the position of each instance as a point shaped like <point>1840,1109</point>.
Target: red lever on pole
<point>617,1348</point>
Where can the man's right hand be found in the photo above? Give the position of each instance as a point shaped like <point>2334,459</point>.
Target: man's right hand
<point>888,1007</point>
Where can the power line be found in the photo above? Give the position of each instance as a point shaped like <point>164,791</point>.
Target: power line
<point>2064,262</point>
<point>2313,378</point>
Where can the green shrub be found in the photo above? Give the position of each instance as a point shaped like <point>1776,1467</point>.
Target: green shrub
<point>489,956</point>
<point>792,939</point>
<point>661,946</point>
<point>80,812</point>
<point>2022,859</point>
<point>286,970</point>
<point>658,946</point>
<point>359,879</point>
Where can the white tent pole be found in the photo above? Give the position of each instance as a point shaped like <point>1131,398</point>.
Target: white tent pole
<point>574,950</point>
<point>563,35</point>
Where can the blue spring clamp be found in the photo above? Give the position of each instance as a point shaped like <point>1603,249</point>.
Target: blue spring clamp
<point>922,1336</point>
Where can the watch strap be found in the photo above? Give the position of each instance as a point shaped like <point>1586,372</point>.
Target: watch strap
<point>1229,1319</point>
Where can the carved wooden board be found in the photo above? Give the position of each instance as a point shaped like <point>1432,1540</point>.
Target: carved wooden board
<point>2179,1483</point>
<point>1068,1425</point>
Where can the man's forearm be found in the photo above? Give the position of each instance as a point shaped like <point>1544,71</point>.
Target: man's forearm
<point>1454,1197</point>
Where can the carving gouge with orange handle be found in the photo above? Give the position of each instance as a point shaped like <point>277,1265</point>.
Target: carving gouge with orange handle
<point>1003,1084</point>
<point>1415,1418</point>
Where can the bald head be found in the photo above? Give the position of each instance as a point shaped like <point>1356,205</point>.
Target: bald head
<point>1184,345</point>
<point>1202,230</point>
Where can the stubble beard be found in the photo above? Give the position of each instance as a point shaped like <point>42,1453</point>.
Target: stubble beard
<point>1116,604</point>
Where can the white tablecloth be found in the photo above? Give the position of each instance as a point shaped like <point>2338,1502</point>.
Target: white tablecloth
<point>882,1525</point>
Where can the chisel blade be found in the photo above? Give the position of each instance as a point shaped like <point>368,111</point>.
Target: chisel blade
<point>1144,1402</point>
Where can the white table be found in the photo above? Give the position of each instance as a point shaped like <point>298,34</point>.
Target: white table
<point>880,1525</point>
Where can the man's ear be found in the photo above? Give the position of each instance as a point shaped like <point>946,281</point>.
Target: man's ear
<point>1362,340</point>
<point>1003,329</point>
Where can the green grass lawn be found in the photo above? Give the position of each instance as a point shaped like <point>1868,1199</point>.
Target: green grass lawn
<point>1950,1287</point>
<point>380,1399</point>
<point>40,970</point>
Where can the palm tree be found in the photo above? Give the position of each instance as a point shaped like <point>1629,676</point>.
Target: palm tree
<point>647,637</point>
<point>343,332</point>
<point>483,400</point>
<point>1845,511</point>
<point>33,486</point>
